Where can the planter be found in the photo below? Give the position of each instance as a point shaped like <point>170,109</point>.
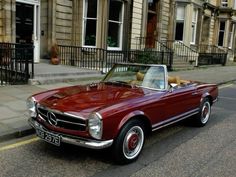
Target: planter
<point>55,61</point>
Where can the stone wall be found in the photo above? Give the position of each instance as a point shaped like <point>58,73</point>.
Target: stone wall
<point>63,21</point>
<point>212,37</point>
<point>164,19</point>
<point>136,28</point>
<point>44,28</point>
<point>7,21</point>
<point>1,21</point>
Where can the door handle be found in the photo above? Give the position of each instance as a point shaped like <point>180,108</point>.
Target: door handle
<point>194,93</point>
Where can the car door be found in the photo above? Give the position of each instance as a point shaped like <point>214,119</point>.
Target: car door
<point>180,102</point>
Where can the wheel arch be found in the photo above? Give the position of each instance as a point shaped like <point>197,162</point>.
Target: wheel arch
<point>208,96</point>
<point>137,115</point>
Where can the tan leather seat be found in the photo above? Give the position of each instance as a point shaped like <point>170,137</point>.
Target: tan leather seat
<point>139,76</point>
<point>175,80</point>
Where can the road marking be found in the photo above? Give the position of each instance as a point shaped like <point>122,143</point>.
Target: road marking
<point>228,98</point>
<point>21,143</point>
<point>225,86</point>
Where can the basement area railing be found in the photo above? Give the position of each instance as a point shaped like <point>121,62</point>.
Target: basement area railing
<point>182,51</point>
<point>102,59</point>
<point>151,43</point>
<point>211,55</point>
<point>16,63</point>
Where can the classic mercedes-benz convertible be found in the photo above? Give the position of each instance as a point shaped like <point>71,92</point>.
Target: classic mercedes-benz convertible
<point>130,102</point>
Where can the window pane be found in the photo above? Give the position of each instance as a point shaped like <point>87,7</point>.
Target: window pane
<point>180,13</point>
<point>115,11</point>
<point>222,26</point>
<point>221,33</point>
<point>91,8</point>
<point>221,39</point>
<point>194,17</point>
<point>230,37</point>
<point>193,33</point>
<point>90,32</point>
<point>179,31</point>
<point>113,39</point>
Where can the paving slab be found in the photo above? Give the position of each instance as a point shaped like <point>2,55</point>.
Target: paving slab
<point>16,105</point>
<point>6,113</point>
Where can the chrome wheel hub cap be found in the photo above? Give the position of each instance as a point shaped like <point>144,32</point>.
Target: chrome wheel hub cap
<point>206,110</point>
<point>133,142</point>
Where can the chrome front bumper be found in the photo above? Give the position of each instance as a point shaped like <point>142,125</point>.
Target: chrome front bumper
<point>78,141</point>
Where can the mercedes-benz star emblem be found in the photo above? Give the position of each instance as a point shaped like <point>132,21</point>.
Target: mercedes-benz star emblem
<point>52,119</point>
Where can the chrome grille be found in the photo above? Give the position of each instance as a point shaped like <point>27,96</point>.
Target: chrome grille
<point>62,120</point>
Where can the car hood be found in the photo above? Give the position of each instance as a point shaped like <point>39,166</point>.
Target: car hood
<point>88,98</point>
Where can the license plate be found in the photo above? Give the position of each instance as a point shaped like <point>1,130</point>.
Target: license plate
<point>48,137</point>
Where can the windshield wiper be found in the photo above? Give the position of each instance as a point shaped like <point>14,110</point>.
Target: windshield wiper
<point>117,82</point>
<point>121,82</point>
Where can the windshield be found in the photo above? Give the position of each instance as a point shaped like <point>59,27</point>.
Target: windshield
<point>152,77</point>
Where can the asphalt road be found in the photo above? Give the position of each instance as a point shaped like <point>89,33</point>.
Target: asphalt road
<point>178,150</point>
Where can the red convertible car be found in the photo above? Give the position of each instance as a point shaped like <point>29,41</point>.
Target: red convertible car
<point>130,102</point>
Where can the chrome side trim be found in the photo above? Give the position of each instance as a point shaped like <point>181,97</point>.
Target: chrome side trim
<point>174,119</point>
<point>78,141</point>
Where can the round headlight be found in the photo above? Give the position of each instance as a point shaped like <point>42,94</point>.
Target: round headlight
<point>30,103</point>
<point>95,125</point>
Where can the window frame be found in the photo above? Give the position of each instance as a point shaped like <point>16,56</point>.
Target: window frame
<point>222,31</point>
<point>234,4</point>
<point>231,34</point>
<point>181,20</point>
<point>121,23</point>
<point>194,25</point>
<point>224,3</point>
<point>84,26</point>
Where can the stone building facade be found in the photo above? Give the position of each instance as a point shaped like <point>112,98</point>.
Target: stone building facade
<point>116,24</point>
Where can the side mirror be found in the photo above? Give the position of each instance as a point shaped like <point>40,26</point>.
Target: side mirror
<point>173,86</point>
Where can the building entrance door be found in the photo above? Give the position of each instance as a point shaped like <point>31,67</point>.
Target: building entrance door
<point>152,21</point>
<point>27,25</point>
<point>151,30</point>
<point>24,23</point>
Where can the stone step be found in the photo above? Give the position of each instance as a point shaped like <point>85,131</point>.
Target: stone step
<point>51,79</point>
<point>49,74</point>
<point>179,64</point>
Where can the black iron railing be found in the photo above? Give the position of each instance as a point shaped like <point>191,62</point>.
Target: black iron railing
<point>181,51</point>
<point>16,63</point>
<point>101,59</point>
<point>211,55</point>
<point>151,43</point>
<point>151,56</point>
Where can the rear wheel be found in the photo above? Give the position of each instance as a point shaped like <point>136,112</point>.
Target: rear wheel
<point>204,113</point>
<point>129,143</point>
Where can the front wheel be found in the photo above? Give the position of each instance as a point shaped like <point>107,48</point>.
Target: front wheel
<point>204,113</point>
<point>129,143</point>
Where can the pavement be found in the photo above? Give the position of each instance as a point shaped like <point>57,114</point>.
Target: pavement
<point>13,113</point>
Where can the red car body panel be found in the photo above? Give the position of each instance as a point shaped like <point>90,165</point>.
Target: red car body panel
<point>119,103</point>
